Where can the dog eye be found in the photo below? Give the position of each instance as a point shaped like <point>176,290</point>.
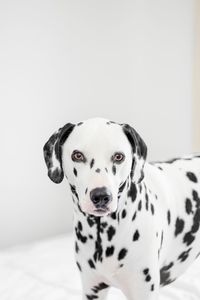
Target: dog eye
<point>78,156</point>
<point>118,157</point>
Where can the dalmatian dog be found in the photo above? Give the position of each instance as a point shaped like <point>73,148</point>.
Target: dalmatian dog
<point>136,224</point>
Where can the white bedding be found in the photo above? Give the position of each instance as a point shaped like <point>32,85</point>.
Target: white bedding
<point>46,270</point>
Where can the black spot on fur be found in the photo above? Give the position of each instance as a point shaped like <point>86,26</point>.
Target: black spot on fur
<point>78,265</point>
<point>191,176</point>
<point>76,247</point>
<point>161,243</point>
<point>167,267</point>
<point>132,192</point>
<point>113,216</point>
<point>92,163</point>
<point>196,221</point>
<point>140,205</point>
<point>122,186</point>
<point>101,286</point>
<point>106,170</point>
<point>184,255</point>
<point>110,251</point>
<point>72,187</point>
<point>179,226</point>
<point>104,224</point>
<point>147,201</point>
<point>75,172</point>
<point>168,217</point>
<point>110,232</point>
<point>146,271</point>
<point>164,277</point>
<point>80,227</point>
<point>196,198</point>
<point>123,213</point>
<point>92,297</point>
<point>98,170</point>
<point>148,278</point>
<point>91,264</point>
<point>188,238</point>
<point>80,236</point>
<point>132,168</point>
<point>152,209</point>
<point>197,255</point>
<point>162,237</point>
<point>73,190</point>
<point>80,123</point>
<point>134,216</point>
<point>136,236</point>
<point>90,221</point>
<point>114,169</point>
<point>86,191</point>
<point>165,274</point>
<point>122,253</point>
<point>152,287</point>
<point>188,206</point>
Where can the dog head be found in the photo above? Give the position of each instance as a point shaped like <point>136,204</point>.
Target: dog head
<point>99,159</point>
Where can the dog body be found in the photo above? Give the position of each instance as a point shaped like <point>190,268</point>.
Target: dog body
<point>136,224</point>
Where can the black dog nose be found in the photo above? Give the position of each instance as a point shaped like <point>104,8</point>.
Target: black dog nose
<point>100,196</point>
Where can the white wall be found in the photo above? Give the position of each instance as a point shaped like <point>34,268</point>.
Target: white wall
<point>196,82</point>
<point>62,61</point>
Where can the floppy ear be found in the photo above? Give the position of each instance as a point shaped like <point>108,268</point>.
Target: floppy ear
<point>139,150</point>
<point>53,152</point>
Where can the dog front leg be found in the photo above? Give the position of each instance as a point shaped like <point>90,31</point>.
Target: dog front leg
<point>93,287</point>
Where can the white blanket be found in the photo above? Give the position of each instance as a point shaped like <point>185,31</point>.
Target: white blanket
<point>46,270</point>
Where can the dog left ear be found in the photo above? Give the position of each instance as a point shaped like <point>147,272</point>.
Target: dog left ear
<point>139,150</point>
<point>53,152</point>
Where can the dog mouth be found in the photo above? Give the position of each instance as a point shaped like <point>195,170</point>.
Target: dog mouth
<point>101,211</point>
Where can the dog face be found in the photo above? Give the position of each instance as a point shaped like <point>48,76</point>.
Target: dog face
<point>99,158</point>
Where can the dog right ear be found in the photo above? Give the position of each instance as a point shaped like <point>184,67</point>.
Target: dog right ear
<point>139,150</point>
<point>53,152</point>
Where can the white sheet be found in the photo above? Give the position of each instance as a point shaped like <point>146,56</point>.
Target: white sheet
<point>46,270</point>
